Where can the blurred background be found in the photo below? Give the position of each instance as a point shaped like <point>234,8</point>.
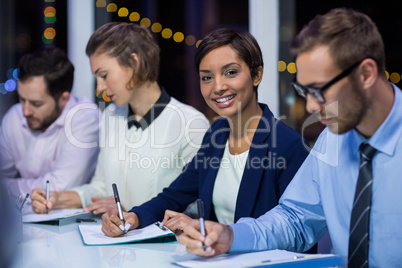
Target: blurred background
<point>178,26</point>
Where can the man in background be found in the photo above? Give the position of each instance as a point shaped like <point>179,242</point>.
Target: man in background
<point>50,135</point>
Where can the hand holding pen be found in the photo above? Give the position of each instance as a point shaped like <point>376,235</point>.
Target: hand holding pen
<point>119,211</point>
<point>111,223</point>
<point>47,196</point>
<point>39,202</point>
<point>218,239</point>
<point>200,208</point>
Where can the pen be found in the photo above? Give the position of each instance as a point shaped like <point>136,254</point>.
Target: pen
<point>117,199</point>
<point>24,202</point>
<point>159,224</point>
<point>200,208</point>
<point>47,195</point>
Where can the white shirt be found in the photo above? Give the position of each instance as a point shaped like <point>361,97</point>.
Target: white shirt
<point>65,153</point>
<point>227,185</point>
<point>142,161</point>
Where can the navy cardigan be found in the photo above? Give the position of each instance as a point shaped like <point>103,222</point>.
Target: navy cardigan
<point>276,153</point>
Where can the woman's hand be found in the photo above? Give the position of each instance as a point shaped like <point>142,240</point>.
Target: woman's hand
<point>175,221</point>
<point>112,225</point>
<point>102,204</point>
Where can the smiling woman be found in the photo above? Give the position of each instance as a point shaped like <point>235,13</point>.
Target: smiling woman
<point>247,157</point>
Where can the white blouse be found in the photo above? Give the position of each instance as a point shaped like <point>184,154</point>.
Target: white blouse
<point>227,185</point>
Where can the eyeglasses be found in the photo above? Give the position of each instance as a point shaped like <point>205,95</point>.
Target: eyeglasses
<point>318,92</point>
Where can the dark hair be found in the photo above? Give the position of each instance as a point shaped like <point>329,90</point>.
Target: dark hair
<point>351,36</point>
<point>53,64</point>
<point>120,40</point>
<point>243,43</point>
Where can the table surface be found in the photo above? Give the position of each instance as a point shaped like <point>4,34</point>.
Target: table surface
<point>61,246</point>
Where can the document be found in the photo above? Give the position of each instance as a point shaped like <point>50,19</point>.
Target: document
<point>56,217</point>
<point>270,258</point>
<point>93,235</point>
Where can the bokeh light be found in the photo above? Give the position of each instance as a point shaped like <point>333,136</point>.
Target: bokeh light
<point>50,19</point>
<point>10,85</point>
<point>156,27</point>
<point>9,73</point>
<point>190,40</point>
<point>198,43</point>
<point>2,89</point>
<point>167,33</point>
<point>134,16</point>
<point>291,68</point>
<point>100,3</point>
<point>49,33</point>
<point>281,66</point>
<point>395,78</point>
<point>178,37</point>
<point>46,41</point>
<point>145,22</point>
<point>112,7</point>
<point>123,12</point>
<point>16,73</point>
<point>49,12</point>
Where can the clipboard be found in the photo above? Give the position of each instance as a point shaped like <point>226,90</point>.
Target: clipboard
<point>56,217</point>
<point>92,235</point>
<point>269,258</point>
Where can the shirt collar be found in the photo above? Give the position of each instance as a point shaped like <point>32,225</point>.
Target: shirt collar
<point>151,115</point>
<point>387,135</point>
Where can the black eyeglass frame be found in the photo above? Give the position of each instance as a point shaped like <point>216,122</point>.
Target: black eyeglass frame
<point>317,92</point>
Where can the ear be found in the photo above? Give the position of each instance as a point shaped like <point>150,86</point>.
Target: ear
<point>64,98</point>
<point>258,78</point>
<point>369,73</point>
<point>136,61</point>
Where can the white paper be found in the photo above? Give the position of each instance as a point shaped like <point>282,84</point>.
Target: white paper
<point>93,235</point>
<point>270,257</point>
<point>52,215</point>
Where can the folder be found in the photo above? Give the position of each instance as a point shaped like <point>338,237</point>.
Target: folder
<point>56,217</point>
<point>269,258</point>
<point>92,235</point>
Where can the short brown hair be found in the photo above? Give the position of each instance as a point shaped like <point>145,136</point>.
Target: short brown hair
<point>120,40</point>
<point>243,43</point>
<point>351,36</point>
<point>53,64</point>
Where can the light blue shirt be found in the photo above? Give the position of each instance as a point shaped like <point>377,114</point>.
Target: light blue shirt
<point>321,194</point>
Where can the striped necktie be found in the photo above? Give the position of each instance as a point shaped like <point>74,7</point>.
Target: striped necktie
<point>360,219</point>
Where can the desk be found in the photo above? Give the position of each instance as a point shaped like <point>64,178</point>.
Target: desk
<point>45,246</point>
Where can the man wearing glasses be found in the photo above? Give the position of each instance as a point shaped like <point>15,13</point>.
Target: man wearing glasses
<point>351,182</point>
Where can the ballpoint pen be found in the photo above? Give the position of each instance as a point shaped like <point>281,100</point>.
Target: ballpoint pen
<point>200,208</point>
<point>117,199</point>
<point>47,195</point>
<point>24,202</point>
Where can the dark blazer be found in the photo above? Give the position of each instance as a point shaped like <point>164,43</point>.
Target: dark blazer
<point>276,153</point>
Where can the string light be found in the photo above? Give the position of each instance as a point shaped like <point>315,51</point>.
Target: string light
<point>50,18</point>
<point>50,33</point>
